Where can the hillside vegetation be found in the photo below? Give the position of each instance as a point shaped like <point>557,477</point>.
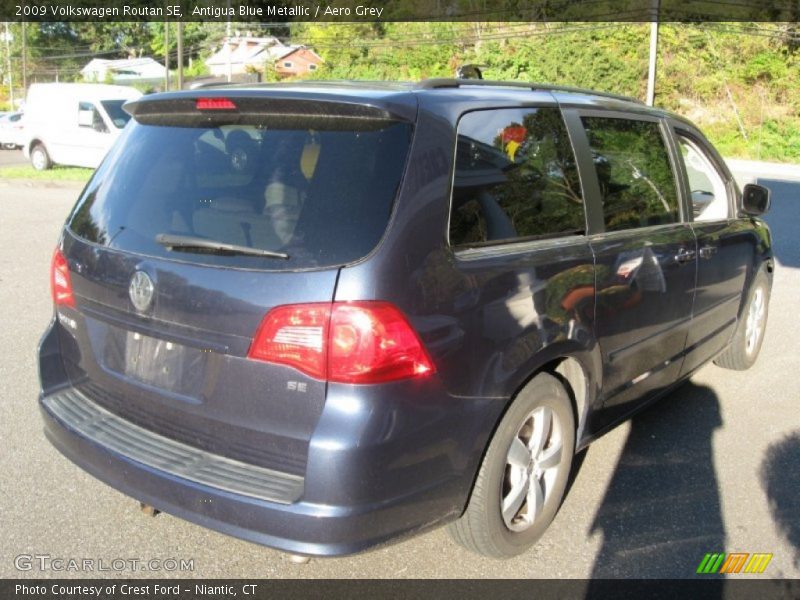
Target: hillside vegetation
<point>739,82</point>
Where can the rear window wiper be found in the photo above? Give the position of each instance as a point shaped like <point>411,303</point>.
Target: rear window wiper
<point>186,241</point>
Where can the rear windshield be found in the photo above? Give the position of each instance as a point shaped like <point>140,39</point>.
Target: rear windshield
<point>320,195</point>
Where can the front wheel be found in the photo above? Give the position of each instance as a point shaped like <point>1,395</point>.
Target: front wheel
<point>523,476</point>
<point>39,158</point>
<point>745,345</point>
<point>9,146</point>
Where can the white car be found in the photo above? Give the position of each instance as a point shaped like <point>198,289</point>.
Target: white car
<point>11,130</point>
<point>73,123</point>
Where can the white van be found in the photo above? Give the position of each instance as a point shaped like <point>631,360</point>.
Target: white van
<point>73,123</point>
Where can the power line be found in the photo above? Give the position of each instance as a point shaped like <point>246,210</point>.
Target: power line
<point>391,42</point>
<point>459,34</point>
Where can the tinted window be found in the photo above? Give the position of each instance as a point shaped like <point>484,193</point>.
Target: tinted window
<point>323,196</point>
<point>515,177</point>
<point>634,172</point>
<point>708,190</point>
<point>114,109</point>
<point>97,121</point>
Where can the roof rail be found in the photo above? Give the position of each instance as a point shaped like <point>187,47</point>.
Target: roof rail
<point>432,84</point>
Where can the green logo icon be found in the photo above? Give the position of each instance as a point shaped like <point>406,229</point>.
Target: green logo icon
<point>732,563</point>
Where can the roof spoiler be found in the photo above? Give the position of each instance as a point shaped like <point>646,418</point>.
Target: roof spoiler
<point>213,108</point>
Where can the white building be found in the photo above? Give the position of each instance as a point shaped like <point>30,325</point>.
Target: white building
<point>245,52</point>
<point>130,70</point>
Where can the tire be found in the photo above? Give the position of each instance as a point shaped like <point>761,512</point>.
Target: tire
<point>9,146</point>
<point>39,158</point>
<point>484,527</point>
<point>745,345</point>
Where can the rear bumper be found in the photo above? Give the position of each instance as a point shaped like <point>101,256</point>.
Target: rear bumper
<point>78,413</point>
<point>328,525</point>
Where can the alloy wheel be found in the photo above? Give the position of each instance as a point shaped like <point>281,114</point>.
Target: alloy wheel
<point>532,464</point>
<point>754,325</point>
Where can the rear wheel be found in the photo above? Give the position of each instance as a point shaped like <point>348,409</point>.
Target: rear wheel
<point>9,146</point>
<point>523,476</point>
<point>39,158</point>
<point>743,350</point>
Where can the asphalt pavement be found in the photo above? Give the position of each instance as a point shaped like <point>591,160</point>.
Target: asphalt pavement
<point>11,157</point>
<point>713,467</point>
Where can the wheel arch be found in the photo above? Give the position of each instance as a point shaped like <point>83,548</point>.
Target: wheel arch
<point>762,262</point>
<point>573,376</point>
<point>579,369</point>
<point>34,141</point>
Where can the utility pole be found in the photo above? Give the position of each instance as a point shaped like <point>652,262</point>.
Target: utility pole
<point>166,55</point>
<point>651,71</point>
<point>230,46</point>
<point>180,55</point>
<point>24,57</point>
<point>8,63</point>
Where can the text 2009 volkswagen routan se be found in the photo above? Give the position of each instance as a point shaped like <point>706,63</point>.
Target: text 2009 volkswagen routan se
<point>321,317</point>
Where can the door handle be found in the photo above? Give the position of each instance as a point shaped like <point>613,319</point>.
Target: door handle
<point>707,251</point>
<point>684,256</point>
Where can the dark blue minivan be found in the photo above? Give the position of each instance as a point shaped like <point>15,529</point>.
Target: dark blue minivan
<point>321,317</point>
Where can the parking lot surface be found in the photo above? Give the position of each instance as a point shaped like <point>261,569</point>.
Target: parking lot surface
<point>712,467</point>
<point>11,157</point>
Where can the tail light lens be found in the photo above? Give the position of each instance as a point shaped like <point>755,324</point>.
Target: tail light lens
<point>60,282</point>
<point>372,342</point>
<point>294,335</point>
<point>345,342</point>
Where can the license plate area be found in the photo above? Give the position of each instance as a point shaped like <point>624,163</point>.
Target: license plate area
<point>155,361</point>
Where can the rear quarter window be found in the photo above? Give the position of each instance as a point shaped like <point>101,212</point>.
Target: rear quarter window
<point>515,178</point>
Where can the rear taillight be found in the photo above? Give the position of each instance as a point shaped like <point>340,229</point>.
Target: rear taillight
<point>372,342</point>
<point>345,342</point>
<point>294,335</point>
<point>60,282</point>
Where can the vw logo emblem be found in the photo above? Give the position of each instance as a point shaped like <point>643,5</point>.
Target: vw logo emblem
<point>141,290</point>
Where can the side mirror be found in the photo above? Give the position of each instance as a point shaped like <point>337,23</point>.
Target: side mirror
<point>755,199</point>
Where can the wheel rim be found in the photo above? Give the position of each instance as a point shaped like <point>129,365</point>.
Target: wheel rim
<point>755,320</point>
<point>532,464</point>
<point>38,159</point>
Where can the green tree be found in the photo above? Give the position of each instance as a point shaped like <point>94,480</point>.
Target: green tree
<point>128,39</point>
